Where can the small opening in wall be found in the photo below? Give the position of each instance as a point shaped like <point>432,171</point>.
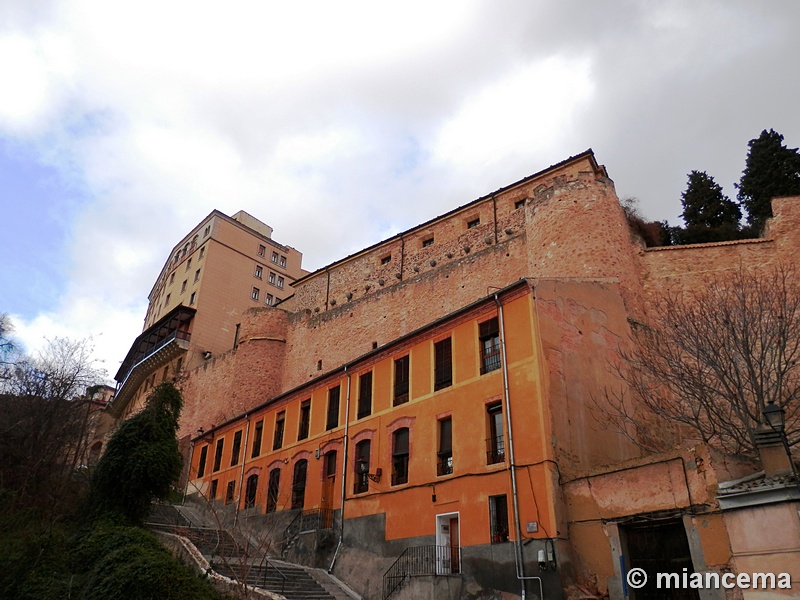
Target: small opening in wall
<point>385,260</point>
<point>473,223</point>
<point>374,345</point>
<point>427,242</point>
<point>319,365</point>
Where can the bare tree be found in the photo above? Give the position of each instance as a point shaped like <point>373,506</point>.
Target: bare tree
<point>44,421</point>
<point>707,363</point>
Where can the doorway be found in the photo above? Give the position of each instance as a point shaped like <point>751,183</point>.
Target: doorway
<point>448,544</point>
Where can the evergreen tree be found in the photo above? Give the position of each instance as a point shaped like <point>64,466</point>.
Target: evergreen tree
<point>710,216</point>
<point>142,459</point>
<point>771,170</point>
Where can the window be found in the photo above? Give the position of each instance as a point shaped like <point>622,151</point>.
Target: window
<point>329,464</point>
<point>305,420</point>
<point>272,489</point>
<point>183,285</point>
<point>299,484</point>
<point>237,447</point>
<point>443,364</point>
<point>280,422</point>
<point>280,282</point>
<point>258,434</point>
<point>498,518</point>
<point>365,395</point>
<point>230,492</point>
<point>361,484</point>
<point>202,253</point>
<point>258,272</point>
<point>212,494</point>
<point>166,300</point>
<point>519,204</point>
<point>400,456</point>
<point>201,466</point>
<point>192,298</point>
<point>282,261</point>
<point>445,454</point>
<point>269,300</point>
<point>255,293</point>
<point>206,232</point>
<point>188,265</point>
<point>250,491</point>
<point>333,408</point>
<point>197,276</point>
<point>272,278</point>
<point>262,250</point>
<point>489,338</point>
<point>218,454</point>
<point>473,223</point>
<point>386,259</point>
<point>172,278</point>
<point>275,257</point>
<point>401,377</point>
<point>427,242</point>
<point>495,444</point>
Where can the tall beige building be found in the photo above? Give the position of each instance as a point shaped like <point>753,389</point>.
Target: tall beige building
<point>222,267</point>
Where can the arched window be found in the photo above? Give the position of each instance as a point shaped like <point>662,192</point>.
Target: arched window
<point>362,467</point>
<point>299,483</point>
<point>272,489</point>
<point>250,491</point>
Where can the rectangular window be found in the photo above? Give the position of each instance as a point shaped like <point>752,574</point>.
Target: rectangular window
<point>255,293</point>
<point>427,242</point>
<point>258,434</point>
<point>212,494</point>
<point>237,447</point>
<point>272,278</point>
<point>275,257</point>
<point>183,285</point>
<point>202,253</point>
<point>443,364</point>
<point>172,278</point>
<point>473,223</point>
<point>280,422</point>
<point>269,300</point>
<point>166,300</point>
<point>489,339</point>
<point>192,298</point>
<point>495,444</point>
<point>365,395</point>
<point>305,420</point>
<point>188,264</point>
<point>519,204</point>
<point>282,261</point>
<point>262,250</point>
<point>400,456</point>
<point>386,260</point>
<point>197,276</point>
<point>280,282</point>
<point>445,454</point>
<point>201,467</point>
<point>258,272</point>
<point>218,453</point>
<point>230,492</point>
<point>498,518</point>
<point>401,378</point>
<point>333,408</point>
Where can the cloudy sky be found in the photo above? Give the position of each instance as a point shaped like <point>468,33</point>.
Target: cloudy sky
<point>341,123</point>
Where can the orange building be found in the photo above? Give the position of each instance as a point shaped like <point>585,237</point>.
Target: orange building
<point>221,268</point>
<point>429,400</point>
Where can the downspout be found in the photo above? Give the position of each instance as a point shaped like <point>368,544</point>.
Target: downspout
<point>520,564</point>
<point>241,472</point>
<point>402,255</point>
<point>494,208</point>
<point>327,287</point>
<point>344,469</point>
<point>188,473</point>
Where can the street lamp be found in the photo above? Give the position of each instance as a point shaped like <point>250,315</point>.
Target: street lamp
<point>775,417</point>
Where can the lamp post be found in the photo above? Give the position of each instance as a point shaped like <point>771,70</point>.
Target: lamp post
<point>775,417</point>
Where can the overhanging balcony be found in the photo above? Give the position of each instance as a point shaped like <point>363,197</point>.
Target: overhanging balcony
<point>155,347</point>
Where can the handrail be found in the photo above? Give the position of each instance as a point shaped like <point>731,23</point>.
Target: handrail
<point>416,561</point>
<point>267,565</point>
<point>177,334</point>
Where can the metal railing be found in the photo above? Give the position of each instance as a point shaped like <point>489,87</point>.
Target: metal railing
<point>175,335</point>
<point>307,520</point>
<point>417,561</point>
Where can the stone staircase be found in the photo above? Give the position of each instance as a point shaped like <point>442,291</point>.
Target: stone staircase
<point>228,558</point>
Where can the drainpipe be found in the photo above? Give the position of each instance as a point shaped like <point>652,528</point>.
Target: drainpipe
<point>188,473</point>
<point>241,472</point>
<point>520,564</point>
<point>344,468</point>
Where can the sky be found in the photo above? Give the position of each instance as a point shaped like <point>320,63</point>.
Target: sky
<point>342,123</point>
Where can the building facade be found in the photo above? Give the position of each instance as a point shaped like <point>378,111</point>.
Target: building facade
<point>221,268</point>
<point>436,390</point>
